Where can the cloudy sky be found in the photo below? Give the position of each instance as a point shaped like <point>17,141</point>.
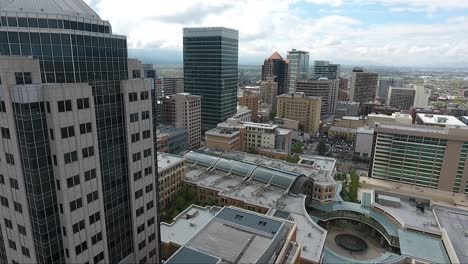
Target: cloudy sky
<point>366,32</point>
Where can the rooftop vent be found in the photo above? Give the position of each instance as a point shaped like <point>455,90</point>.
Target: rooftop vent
<point>191,213</point>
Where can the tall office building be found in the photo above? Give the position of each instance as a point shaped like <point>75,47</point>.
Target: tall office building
<point>325,69</point>
<point>323,87</point>
<point>401,97</point>
<point>211,71</point>
<point>69,165</point>
<point>250,99</point>
<point>268,92</point>
<point>343,94</point>
<point>422,96</point>
<point>385,83</point>
<point>302,108</point>
<point>183,110</point>
<point>432,157</point>
<point>275,66</point>
<point>149,71</point>
<point>298,67</point>
<point>172,85</point>
<point>363,86</point>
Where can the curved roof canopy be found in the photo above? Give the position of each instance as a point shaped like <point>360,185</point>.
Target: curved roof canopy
<point>275,177</point>
<point>76,8</point>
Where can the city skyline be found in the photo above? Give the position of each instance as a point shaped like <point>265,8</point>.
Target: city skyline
<point>384,33</point>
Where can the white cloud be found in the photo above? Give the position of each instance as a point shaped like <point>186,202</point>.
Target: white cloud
<point>269,25</point>
<point>326,2</point>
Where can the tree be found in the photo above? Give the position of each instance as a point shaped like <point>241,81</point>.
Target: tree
<point>292,159</point>
<point>322,148</point>
<point>353,187</point>
<point>252,150</point>
<point>272,115</point>
<point>297,148</point>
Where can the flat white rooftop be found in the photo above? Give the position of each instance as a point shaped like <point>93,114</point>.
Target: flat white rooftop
<point>232,234</point>
<point>439,120</point>
<point>455,223</point>
<point>166,160</point>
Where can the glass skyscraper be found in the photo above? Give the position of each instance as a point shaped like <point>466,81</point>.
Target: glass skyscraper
<point>298,67</point>
<point>74,50</point>
<point>211,71</point>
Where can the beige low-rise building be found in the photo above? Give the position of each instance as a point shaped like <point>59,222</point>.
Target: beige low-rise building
<point>250,99</point>
<point>171,171</point>
<point>223,138</point>
<point>249,136</point>
<point>350,122</point>
<point>305,109</point>
<point>397,117</point>
<point>345,133</point>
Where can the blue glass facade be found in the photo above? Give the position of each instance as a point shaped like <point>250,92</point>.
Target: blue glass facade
<point>211,71</point>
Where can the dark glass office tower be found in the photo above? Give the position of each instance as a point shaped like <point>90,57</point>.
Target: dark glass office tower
<point>277,67</point>
<point>211,71</point>
<point>73,45</point>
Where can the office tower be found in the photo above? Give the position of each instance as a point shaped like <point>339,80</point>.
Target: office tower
<point>158,88</point>
<point>464,92</point>
<point>363,86</point>
<point>172,85</point>
<point>251,100</point>
<point>434,157</point>
<point>325,88</point>
<point>302,108</point>
<point>149,71</point>
<point>183,110</point>
<point>268,92</point>
<point>211,71</point>
<point>171,139</point>
<point>343,90</point>
<point>325,69</point>
<point>385,83</point>
<point>422,96</point>
<point>401,97</point>
<point>278,68</point>
<point>66,154</point>
<point>298,67</point>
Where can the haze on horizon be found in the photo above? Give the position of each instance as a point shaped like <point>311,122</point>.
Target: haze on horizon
<point>420,33</point>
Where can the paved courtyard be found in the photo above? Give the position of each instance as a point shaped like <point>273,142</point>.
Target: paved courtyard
<point>374,250</point>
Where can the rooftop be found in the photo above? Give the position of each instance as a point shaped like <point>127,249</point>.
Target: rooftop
<point>299,95</point>
<point>342,129</point>
<point>365,130</point>
<point>440,120</point>
<point>76,8</point>
<point>422,247</point>
<point>186,255</point>
<point>271,180</point>
<point>210,31</point>
<point>223,132</point>
<point>455,222</point>
<point>408,215</point>
<point>231,234</point>
<point>275,56</point>
<point>166,160</point>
